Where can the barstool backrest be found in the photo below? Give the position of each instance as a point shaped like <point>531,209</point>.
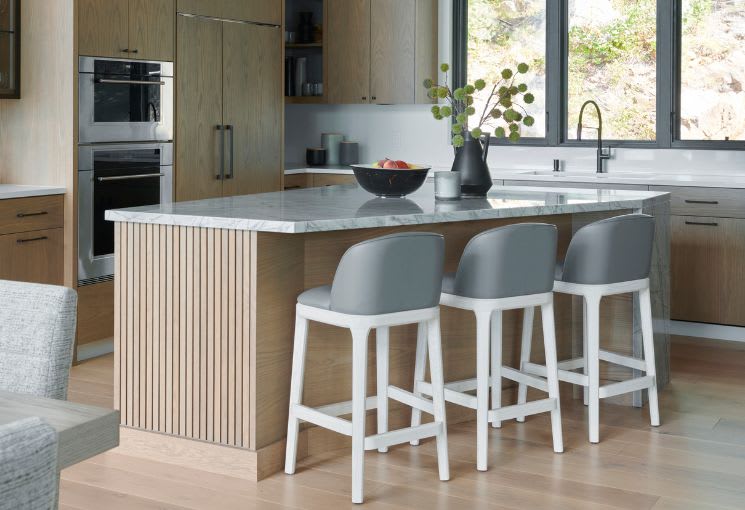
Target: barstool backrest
<point>609,251</point>
<point>390,274</point>
<point>516,260</point>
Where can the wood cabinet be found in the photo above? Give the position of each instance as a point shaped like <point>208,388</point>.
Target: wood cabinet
<point>300,181</point>
<point>707,271</point>
<point>229,108</point>
<point>259,11</point>
<point>380,51</point>
<point>137,29</point>
<point>31,240</point>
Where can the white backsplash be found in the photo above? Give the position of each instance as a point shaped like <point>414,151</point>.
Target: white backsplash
<point>410,133</point>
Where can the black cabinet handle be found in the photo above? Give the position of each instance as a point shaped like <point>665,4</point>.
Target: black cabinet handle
<point>229,128</point>
<point>364,98</point>
<point>26,215</point>
<point>221,129</point>
<point>24,241</point>
<point>374,98</point>
<point>124,50</point>
<point>292,187</point>
<point>135,51</point>
<point>703,223</point>
<point>709,202</point>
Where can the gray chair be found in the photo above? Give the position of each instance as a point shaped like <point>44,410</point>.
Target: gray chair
<point>37,333</point>
<point>380,283</point>
<point>608,257</point>
<point>29,479</point>
<point>502,269</point>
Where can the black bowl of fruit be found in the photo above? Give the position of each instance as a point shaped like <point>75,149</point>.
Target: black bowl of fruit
<point>390,179</point>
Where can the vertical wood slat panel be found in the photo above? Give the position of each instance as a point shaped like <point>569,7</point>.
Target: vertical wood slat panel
<point>182,331</point>
<point>117,308</point>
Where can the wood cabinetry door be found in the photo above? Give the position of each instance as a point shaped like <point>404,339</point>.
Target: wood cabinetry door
<point>707,274</point>
<point>392,51</point>
<point>426,47</point>
<point>151,29</point>
<point>199,107</point>
<point>34,257</point>
<point>260,11</point>
<point>348,26</point>
<point>103,29</point>
<point>252,108</point>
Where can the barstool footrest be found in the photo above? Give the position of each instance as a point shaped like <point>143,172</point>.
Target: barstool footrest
<point>514,411</point>
<point>564,375</point>
<point>572,364</point>
<point>411,400</point>
<point>456,396</point>
<point>625,361</point>
<point>400,436</point>
<point>324,420</point>
<point>523,378</point>
<point>342,408</point>
<point>628,386</point>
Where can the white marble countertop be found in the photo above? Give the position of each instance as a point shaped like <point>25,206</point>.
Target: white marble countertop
<point>22,191</point>
<point>300,168</point>
<point>350,207</point>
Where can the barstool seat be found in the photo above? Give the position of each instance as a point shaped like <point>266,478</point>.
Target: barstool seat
<point>608,257</point>
<point>502,269</point>
<point>381,283</point>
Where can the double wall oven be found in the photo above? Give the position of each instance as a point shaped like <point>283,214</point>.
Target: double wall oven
<point>125,151</point>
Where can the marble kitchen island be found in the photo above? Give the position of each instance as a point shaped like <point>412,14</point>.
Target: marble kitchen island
<point>205,298</point>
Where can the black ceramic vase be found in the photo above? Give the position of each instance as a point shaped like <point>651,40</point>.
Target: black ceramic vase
<point>305,28</point>
<point>470,162</point>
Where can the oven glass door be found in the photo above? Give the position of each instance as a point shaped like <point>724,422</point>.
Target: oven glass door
<point>122,179</point>
<point>127,92</point>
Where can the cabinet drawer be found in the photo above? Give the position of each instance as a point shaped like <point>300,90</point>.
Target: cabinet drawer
<point>296,181</point>
<point>717,202</point>
<point>33,213</point>
<point>320,180</point>
<point>35,257</point>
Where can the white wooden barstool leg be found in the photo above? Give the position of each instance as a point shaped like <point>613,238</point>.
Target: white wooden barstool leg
<point>552,372</point>
<point>438,395</point>
<point>525,347</point>
<point>482,389</point>
<point>496,363</point>
<point>359,395</point>
<point>592,358</point>
<point>296,390</point>
<point>585,389</point>
<point>381,355</point>
<point>645,308</point>
<point>419,367</point>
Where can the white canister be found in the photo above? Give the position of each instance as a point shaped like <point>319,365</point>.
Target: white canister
<point>331,142</point>
<point>447,185</point>
<point>301,73</point>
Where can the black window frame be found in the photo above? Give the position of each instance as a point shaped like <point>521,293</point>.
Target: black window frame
<point>668,86</point>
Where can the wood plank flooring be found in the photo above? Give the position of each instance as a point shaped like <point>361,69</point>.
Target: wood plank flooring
<point>695,460</point>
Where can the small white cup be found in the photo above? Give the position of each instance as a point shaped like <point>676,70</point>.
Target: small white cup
<point>447,185</point>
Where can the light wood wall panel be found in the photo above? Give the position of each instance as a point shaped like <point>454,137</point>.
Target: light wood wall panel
<point>181,331</point>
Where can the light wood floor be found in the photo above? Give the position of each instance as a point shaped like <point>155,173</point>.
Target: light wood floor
<point>695,460</point>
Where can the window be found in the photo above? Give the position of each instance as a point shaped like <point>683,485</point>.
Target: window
<point>611,58</point>
<point>712,70</point>
<point>666,73</point>
<point>502,34</point>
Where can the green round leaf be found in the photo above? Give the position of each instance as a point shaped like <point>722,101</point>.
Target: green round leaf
<point>439,117</point>
<point>480,84</point>
<point>514,90</point>
<point>476,132</point>
<point>496,113</point>
<point>469,100</point>
<point>470,89</point>
<point>461,118</point>
<point>442,92</point>
<point>503,91</point>
<point>507,73</point>
<point>528,121</point>
<point>435,110</point>
<point>500,132</point>
<point>432,93</point>
<point>458,141</point>
<point>522,68</point>
<point>471,110</point>
<point>529,98</point>
<point>428,83</point>
<point>522,87</point>
<point>514,137</point>
<point>514,128</point>
<point>459,94</point>
<point>444,68</point>
<point>446,111</point>
<point>506,102</point>
<point>457,128</point>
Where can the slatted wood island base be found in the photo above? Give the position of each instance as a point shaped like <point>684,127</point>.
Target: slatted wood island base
<point>204,326</point>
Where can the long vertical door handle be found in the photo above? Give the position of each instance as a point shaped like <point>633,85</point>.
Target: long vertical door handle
<point>221,174</point>
<point>231,154</point>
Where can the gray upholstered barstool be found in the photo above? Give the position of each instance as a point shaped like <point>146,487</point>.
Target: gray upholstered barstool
<point>608,257</point>
<point>502,269</point>
<point>388,281</point>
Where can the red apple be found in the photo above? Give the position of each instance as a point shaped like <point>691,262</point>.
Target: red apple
<point>403,165</point>
<point>382,162</point>
<point>390,164</point>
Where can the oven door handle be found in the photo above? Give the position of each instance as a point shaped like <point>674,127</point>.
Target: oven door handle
<point>128,177</point>
<point>128,82</point>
